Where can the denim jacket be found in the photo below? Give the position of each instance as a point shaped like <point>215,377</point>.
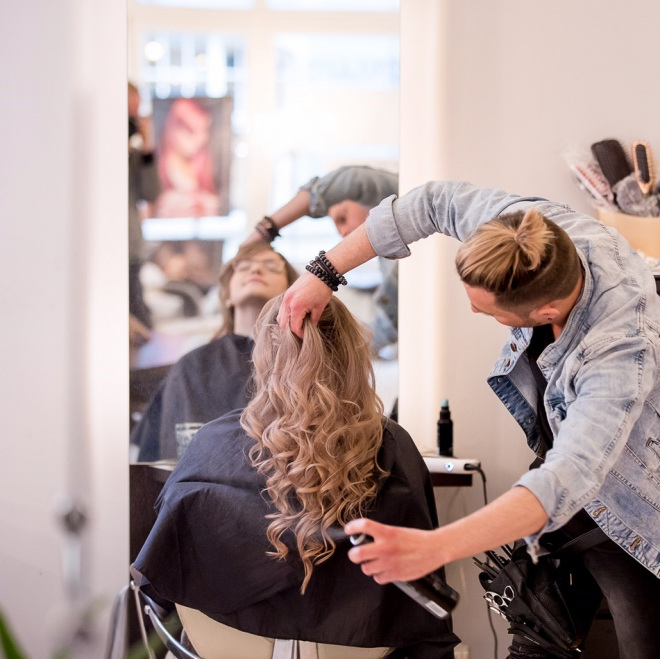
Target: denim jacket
<point>603,394</point>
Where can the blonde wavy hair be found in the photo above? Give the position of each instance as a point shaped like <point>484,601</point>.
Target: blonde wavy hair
<point>316,421</point>
<point>524,259</point>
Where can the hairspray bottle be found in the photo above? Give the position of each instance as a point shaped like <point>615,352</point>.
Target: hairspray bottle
<point>445,431</point>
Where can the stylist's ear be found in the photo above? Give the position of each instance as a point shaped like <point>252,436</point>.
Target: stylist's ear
<point>548,313</point>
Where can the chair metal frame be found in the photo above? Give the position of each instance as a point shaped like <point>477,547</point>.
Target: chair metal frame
<point>146,606</point>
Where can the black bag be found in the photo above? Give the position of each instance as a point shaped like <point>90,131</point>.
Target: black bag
<point>536,598</point>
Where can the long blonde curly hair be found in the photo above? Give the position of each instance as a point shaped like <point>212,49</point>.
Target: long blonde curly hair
<point>317,424</point>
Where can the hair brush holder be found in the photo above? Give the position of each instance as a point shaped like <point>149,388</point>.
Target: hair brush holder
<point>643,233</point>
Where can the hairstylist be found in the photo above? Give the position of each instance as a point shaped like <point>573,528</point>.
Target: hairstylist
<point>580,373</point>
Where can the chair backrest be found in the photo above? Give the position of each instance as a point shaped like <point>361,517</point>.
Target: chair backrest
<point>213,640</point>
<point>147,608</point>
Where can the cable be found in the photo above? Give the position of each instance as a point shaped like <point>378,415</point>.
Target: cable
<point>492,629</point>
<point>488,611</point>
<point>483,479</point>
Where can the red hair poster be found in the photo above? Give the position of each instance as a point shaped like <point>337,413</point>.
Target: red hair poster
<point>193,137</point>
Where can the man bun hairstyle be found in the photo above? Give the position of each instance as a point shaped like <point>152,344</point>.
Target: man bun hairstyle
<point>522,258</point>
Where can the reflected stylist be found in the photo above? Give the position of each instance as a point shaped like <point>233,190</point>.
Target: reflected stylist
<point>580,373</point>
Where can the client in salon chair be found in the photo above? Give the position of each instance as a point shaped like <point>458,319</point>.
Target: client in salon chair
<point>249,528</point>
<point>212,379</point>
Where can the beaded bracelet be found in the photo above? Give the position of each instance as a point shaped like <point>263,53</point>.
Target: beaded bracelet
<point>323,276</point>
<point>325,262</point>
<point>267,229</point>
<point>326,272</point>
<point>321,267</point>
<point>262,232</point>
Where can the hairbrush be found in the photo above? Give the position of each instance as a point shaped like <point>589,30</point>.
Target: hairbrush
<point>612,159</point>
<point>644,167</point>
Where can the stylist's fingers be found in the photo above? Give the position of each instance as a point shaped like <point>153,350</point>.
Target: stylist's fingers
<point>371,556</point>
<point>368,527</point>
<point>396,553</point>
<point>307,296</point>
<point>374,557</point>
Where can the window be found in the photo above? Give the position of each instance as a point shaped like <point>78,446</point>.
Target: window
<point>334,5</point>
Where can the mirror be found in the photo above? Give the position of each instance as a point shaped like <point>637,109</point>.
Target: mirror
<point>247,100</point>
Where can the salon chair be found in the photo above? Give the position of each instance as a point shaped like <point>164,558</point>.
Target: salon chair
<point>205,638</point>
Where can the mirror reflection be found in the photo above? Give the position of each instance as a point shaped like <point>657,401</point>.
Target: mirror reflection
<point>259,133</point>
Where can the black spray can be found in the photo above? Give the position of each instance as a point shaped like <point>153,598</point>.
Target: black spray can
<point>445,431</point>
<point>432,591</point>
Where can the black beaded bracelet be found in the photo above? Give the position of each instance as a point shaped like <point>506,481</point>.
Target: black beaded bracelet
<point>270,226</point>
<point>323,276</point>
<point>325,262</point>
<point>263,233</point>
<point>267,229</point>
<point>321,267</point>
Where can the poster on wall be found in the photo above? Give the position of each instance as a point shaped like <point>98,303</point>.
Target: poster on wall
<point>193,148</point>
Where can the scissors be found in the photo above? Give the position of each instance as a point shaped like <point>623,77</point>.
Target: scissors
<point>500,603</point>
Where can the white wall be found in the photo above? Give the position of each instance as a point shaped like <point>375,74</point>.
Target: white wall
<point>64,390</point>
<point>492,92</point>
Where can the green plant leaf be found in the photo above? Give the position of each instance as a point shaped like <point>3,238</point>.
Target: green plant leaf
<point>8,644</point>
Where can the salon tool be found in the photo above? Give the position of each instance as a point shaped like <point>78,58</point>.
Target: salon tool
<point>440,464</point>
<point>445,430</point>
<point>430,591</point>
<point>644,167</point>
<point>612,160</point>
<point>591,178</point>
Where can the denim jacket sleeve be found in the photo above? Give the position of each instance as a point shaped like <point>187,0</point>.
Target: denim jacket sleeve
<point>597,419</point>
<point>453,208</point>
<point>365,185</point>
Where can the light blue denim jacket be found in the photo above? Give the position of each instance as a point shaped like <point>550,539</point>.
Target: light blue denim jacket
<point>603,393</point>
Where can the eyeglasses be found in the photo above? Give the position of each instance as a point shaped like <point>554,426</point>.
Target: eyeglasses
<point>271,265</point>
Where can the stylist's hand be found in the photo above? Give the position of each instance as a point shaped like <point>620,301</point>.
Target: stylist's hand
<point>253,238</point>
<point>307,295</point>
<point>396,554</point>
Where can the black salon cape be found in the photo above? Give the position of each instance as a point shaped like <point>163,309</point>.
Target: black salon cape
<point>203,385</point>
<point>208,547</point>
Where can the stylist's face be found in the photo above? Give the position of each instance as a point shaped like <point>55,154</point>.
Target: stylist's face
<point>481,301</point>
<point>348,215</point>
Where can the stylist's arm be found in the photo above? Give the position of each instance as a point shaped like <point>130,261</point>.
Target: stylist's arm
<point>402,554</point>
<point>309,295</point>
